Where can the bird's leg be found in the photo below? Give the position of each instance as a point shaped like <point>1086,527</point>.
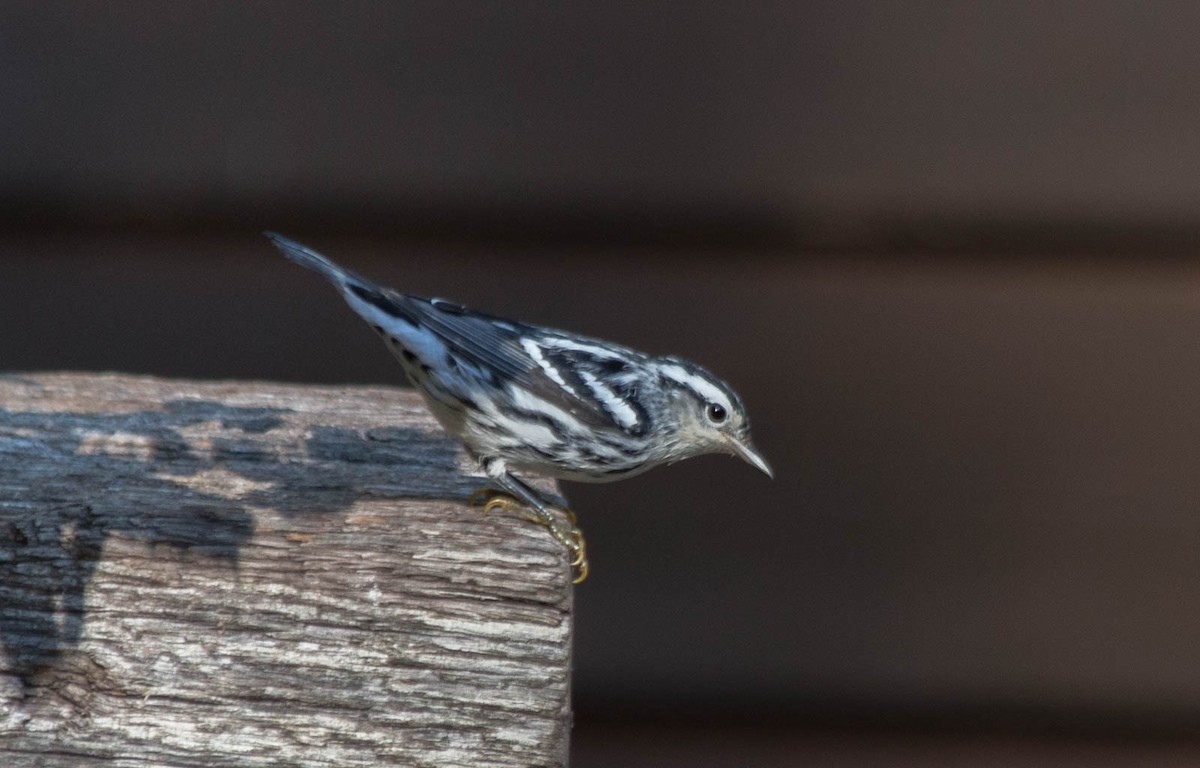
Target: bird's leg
<point>569,536</point>
<point>519,498</point>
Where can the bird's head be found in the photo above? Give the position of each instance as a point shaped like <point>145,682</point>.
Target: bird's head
<point>708,414</point>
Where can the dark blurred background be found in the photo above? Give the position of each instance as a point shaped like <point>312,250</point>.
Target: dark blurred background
<point>945,251</point>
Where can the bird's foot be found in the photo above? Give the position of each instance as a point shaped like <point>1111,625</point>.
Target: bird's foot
<point>569,535</point>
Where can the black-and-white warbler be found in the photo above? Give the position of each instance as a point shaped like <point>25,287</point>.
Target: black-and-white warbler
<point>522,397</point>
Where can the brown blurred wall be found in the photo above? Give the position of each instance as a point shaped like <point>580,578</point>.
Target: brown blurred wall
<point>985,505</point>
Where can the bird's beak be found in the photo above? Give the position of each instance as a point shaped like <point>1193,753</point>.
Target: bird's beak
<point>747,453</point>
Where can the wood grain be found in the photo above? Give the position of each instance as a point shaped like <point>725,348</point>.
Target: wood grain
<point>252,574</point>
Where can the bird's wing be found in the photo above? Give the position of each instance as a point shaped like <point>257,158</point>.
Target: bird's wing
<point>491,343</point>
<point>527,356</point>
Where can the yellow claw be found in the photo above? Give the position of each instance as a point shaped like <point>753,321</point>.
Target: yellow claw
<point>500,503</point>
<point>578,546</point>
<point>583,573</point>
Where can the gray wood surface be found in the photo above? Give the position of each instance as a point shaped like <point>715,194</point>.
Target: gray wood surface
<point>253,574</point>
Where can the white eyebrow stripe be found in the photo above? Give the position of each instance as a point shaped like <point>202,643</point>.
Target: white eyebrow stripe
<point>531,347</point>
<point>620,410</point>
<point>701,386</point>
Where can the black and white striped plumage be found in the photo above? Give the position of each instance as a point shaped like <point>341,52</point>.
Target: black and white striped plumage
<point>522,397</point>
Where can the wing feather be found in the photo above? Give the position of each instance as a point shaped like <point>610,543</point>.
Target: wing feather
<point>511,349</point>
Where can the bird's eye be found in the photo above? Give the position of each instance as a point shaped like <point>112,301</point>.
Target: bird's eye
<point>716,413</point>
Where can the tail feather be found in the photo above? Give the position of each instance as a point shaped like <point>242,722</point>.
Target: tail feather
<point>379,306</point>
<point>307,257</point>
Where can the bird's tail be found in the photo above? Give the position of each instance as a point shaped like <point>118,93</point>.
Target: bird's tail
<point>307,257</point>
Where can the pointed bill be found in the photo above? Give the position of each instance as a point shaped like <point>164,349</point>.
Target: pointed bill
<point>746,452</point>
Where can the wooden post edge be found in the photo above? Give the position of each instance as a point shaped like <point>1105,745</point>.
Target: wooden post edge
<point>253,574</point>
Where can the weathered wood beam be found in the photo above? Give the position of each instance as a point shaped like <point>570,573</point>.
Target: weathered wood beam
<point>234,573</point>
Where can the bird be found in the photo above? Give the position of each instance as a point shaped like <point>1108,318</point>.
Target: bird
<point>523,398</point>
